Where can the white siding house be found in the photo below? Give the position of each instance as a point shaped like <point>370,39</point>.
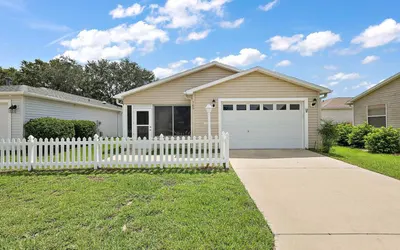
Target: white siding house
<point>30,103</point>
<point>337,110</point>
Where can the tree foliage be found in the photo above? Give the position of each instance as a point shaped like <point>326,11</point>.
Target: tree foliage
<point>100,79</point>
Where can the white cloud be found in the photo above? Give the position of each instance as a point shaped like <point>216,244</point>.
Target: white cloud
<point>312,43</point>
<point>199,61</point>
<point>246,57</point>
<point>85,54</point>
<point>120,12</point>
<point>330,67</point>
<point>186,13</point>
<point>173,68</point>
<point>342,76</point>
<point>128,37</point>
<point>369,59</point>
<point>194,36</point>
<point>378,35</point>
<point>364,84</point>
<point>284,63</point>
<point>233,24</point>
<point>268,6</point>
<point>333,83</point>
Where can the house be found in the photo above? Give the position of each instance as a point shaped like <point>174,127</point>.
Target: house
<point>379,105</point>
<point>337,110</point>
<point>20,103</point>
<point>257,107</point>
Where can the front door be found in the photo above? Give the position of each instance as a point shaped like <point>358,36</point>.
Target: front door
<point>143,121</point>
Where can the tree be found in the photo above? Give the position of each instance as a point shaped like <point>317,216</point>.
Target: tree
<point>99,80</point>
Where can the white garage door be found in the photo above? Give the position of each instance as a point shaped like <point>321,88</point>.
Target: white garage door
<point>4,120</point>
<point>264,125</point>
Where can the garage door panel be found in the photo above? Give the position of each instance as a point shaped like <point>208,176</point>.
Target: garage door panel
<point>257,129</point>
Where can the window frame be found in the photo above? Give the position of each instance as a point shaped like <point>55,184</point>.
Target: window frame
<point>233,107</point>
<point>255,104</point>
<point>286,107</point>
<point>241,104</point>
<point>273,107</point>
<point>372,116</point>
<point>290,107</point>
<point>173,118</point>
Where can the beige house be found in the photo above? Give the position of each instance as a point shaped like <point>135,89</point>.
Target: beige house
<point>259,108</point>
<point>336,109</point>
<point>379,105</point>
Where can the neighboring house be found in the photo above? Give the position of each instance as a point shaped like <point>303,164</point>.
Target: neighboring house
<point>379,105</point>
<point>337,110</point>
<point>20,103</point>
<point>258,107</point>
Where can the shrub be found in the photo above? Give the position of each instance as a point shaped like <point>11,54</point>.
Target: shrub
<point>47,127</point>
<point>84,129</point>
<point>344,130</point>
<point>328,131</point>
<point>383,140</point>
<point>357,136</point>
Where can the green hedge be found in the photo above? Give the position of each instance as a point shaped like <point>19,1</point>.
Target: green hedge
<point>383,140</point>
<point>47,127</point>
<point>357,136</point>
<point>84,129</point>
<point>344,130</point>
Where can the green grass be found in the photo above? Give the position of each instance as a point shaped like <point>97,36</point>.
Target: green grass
<point>129,209</point>
<point>382,163</point>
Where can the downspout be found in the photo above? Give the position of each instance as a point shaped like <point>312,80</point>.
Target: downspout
<point>191,112</point>
<point>118,102</point>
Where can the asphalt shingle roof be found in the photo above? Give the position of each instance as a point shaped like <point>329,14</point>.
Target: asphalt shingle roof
<point>336,103</point>
<point>62,96</point>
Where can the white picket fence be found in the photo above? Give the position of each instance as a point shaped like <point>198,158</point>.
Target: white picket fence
<point>114,152</point>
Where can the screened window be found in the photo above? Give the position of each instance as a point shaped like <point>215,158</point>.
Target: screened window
<point>172,120</point>
<point>129,121</point>
<point>227,107</point>
<point>254,106</point>
<point>241,107</point>
<point>377,115</point>
<point>268,107</point>
<point>294,106</point>
<point>281,106</point>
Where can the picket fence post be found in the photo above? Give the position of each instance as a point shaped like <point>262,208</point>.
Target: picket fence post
<point>227,150</point>
<point>97,151</point>
<point>31,152</point>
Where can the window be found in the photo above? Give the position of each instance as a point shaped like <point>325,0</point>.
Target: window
<point>268,107</point>
<point>281,106</point>
<point>377,115</point>
<point>172,120</point>
<point>254,106</point>
<point>129,108</point>
<point>241,107</point>
<point>228,107</point>
<point>294,106</point>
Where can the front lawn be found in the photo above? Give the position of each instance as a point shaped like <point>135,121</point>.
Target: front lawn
<point>382,163</point>
<point>129,209</point>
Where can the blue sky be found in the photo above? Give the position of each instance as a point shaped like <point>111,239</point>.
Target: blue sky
<point>347,46</point>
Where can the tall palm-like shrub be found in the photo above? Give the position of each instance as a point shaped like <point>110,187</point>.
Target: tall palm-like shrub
<point>329,133</point>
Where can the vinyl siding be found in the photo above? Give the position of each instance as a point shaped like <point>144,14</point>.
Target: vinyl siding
<point>338,115</point>
<point>254,85</point>
<point>389,95</point>
<point>16,118</point>
<point>171,93</point>
<point>111,121</point>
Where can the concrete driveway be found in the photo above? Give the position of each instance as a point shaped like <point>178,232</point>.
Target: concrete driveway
<point>315,202</point>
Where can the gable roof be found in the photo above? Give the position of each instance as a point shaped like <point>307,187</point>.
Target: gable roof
<point>336,103</point>
<point>376,87</point>
<point>55,95</point>
<point>290,79</point>
<point>176,76</point>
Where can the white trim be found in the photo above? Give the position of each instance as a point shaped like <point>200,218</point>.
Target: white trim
<point>22,110</point>
<point>148,108</point>
<point>263,71</point>
<point>58,100</point>
<point>176,76</point>
<point>376,87</point>
<point>9,117</point>
<point>305,110</point>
